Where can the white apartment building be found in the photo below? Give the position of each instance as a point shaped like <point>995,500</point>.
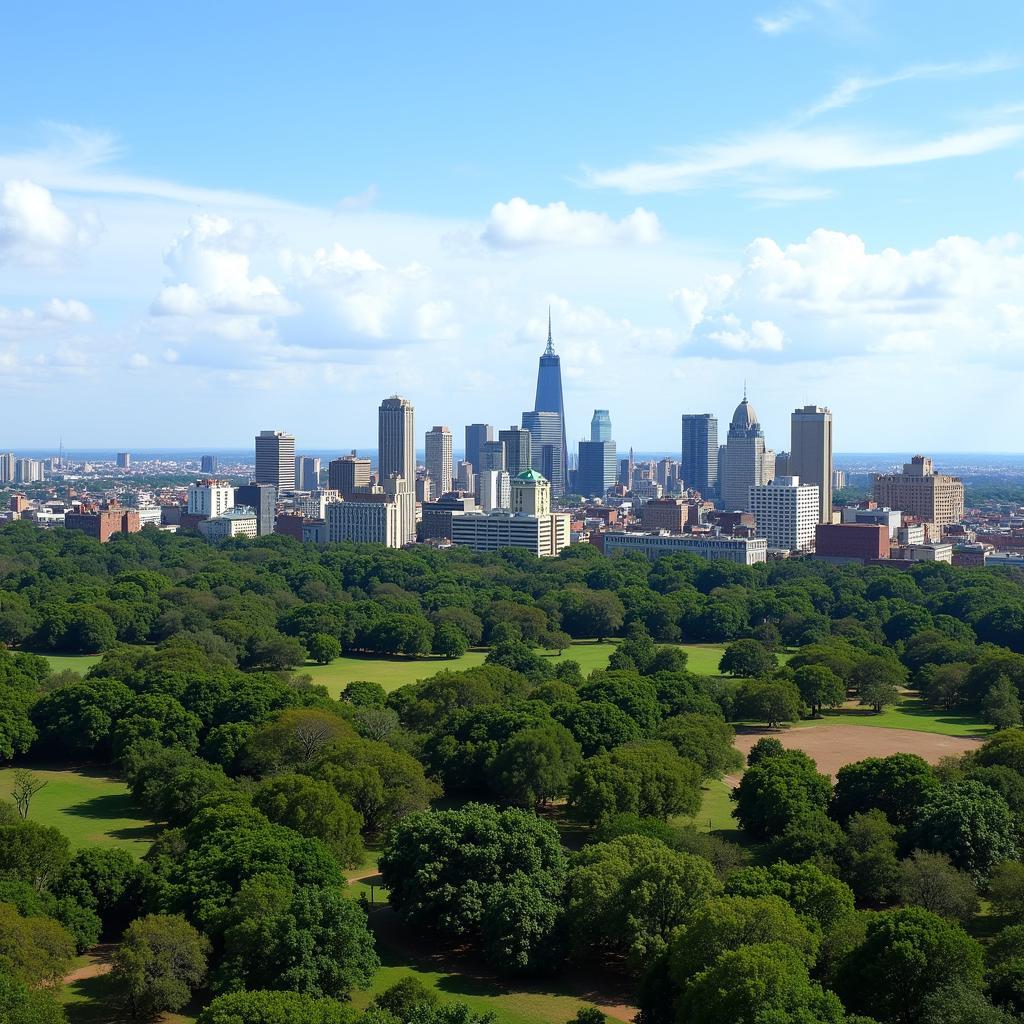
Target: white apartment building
<point>210,498</point>
<point>495,489</point>
<point>376,521</point>
<point>544,535</point>
<point>786,513</point>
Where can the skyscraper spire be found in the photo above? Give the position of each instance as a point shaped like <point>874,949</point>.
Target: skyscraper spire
<point>550,350</point>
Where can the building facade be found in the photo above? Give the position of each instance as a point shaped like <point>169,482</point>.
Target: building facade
<point>810,453</point>
<point>476,435</point>
<point>601,425</point>
<point>235,522</point>
<point>785,513</point>
<point>744,550</point>
<point>438,458</point>
<point>596,469</point>
<point>372,519</point>
<point>518,447</point>
<point>699,462</point>
<point>922,493</point>
<point>262,499</point>
<point>544,535</point>
<point>495,490</point>
<point>851,542</point>
<point>531,494</point>
<point>396,439</point>
<point>210,498</point>
<point>748,462</point>
<point>307,473</point>
<point>348,474</point>
<point>275,460</point>
<point>547,447</point>
<point>548,399</point>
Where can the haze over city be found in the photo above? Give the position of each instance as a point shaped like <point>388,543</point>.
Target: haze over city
<point>204,231</point>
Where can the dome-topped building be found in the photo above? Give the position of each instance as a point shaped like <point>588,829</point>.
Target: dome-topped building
<point>745,462</point>
<point>531,494</point>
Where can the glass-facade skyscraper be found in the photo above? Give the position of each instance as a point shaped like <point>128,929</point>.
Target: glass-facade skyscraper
<point>549,400</point>
<point>601,426</point>
<point>699,463</point>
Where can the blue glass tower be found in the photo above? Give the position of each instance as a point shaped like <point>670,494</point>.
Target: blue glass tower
<point>549,399</point>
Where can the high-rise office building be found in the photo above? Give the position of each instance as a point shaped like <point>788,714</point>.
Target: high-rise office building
<point>210,498</point>
<point>396,440</point>
<point>601,426</point>
<point>595,473</point>
<point>518,448</point>
<point>348,474</point>
<point>208,464</point>
<point>307,473</point>
<point>549,400</point>
<point>699,463</point>
<point>810,453</point>
<point>492,456</point>
<point>785,513</point>
<point>546,447</point>
<point>275,460</point>
<point>748,463</point>
<point>531,494</point>
<point>465,477</point>
<point>920,491</point>
<point>262,499</point>
<point>476,435</point>
<point>438,458</point>
<point>124,460</point>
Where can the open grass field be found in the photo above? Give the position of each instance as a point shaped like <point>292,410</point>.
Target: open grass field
<point>89,807</point>
<point>80,663</point>
<point>913,714</point>
<point>393,672</point>
<point>715,814</point>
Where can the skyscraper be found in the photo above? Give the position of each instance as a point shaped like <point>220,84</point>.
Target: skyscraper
<point>438,458</point>
<point>396,443</point>
<point>492,456</point>
<point>348,474</point>
<point>596,471</point>
<point>549,400</point>
<point>601,426</point>
<point>748,463</point>
<point>275,460</point>
<point>209,464</point>
<point>547,447</point>
<point>518,449</point>
<point>307,473</point>
<point>262,499</point>
<point>476,435</point>
<point>699,463</point>
<point>810,454</point>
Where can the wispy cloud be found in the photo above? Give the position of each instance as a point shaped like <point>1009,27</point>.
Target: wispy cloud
<point>851,88</point>
<point>783,21</point>
<point>796,150</point>
<point>843,13</point>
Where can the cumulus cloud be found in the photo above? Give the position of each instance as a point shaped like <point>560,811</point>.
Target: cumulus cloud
<point>68,311</point>
<point>829,296</point>
<point>210,272</point>
<point>33,229</point>
<point>519,224</point>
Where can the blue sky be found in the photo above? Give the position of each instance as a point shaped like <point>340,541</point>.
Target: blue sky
<point>219,218</point>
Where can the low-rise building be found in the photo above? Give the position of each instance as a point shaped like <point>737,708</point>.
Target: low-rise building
<point>544,535</point>
<point>241,521</point>
<point>102,523</point>
<point>744,550</point>
<point>840,543</point>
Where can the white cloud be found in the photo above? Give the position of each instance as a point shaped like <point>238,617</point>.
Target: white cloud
<point>777,195</point>
<point>796,150</point>
<point>851,88</point>
<point>362,201</point>
<point>68,311</point>
<point>211,272</point>
<point>829,296</point>
<point>783,21</point>
<point>33,229</point>
<point>519,224</point>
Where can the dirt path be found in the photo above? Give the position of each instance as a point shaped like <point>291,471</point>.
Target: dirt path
<point>101,963</point>
<point>832,746</point>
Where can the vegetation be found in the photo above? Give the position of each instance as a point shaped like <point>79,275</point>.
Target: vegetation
<point>543,784</point>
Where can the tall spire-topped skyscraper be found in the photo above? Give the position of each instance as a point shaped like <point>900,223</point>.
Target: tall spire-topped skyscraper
<point>549,399</point>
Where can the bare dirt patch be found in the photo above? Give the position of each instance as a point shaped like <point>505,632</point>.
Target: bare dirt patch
<point>832,746</point>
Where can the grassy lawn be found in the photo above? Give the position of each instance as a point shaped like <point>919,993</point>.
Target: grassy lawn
<point>715,814</point>
<point>910,713</point>
<point>92,1001</point>
<point>89,807</point>
<point>80,663</point>
<point>393,672</point>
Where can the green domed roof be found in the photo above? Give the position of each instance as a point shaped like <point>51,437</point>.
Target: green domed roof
<point>532,475</point>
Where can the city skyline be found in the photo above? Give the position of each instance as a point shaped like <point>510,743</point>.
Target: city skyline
<point>845,233</point>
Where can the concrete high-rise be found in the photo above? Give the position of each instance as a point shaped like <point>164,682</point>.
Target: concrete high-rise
<point>210,498</point>
<point>124,460</point>
<point>518,449</point>
<point>307,473</point>
<point>920,491</point>
<point>438,458</point>
<point>549,400</point>
<point>476,435</point>
<point>810,453</point>
<point>275,460</point>
<point>208,464</point>
<point>786,513</point>
<point>396,440</point>
<point>748,463</point>
<point>699,462</point>
<point>495,490</point>
<point>262,499</point>
<point>492,456</point>
<point>547,450</point>
<point>601,426</point>
<point>348,474</point>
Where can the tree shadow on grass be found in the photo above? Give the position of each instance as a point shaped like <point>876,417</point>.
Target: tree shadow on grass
<point>137,833</point>
<point>108,805</point>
